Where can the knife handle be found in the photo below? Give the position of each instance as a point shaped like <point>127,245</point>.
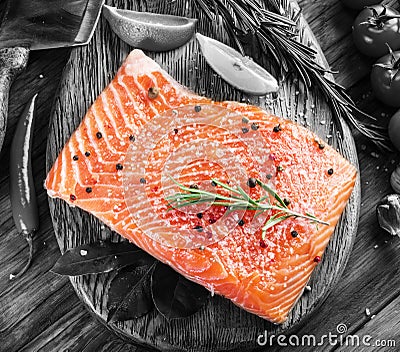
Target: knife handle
<point>12,62</point>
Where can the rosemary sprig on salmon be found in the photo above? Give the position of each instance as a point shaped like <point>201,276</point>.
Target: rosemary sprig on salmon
<point>239,200</point>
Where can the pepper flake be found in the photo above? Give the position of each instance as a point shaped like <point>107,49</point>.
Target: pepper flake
<point>153,92</point>
<point>277,128</point>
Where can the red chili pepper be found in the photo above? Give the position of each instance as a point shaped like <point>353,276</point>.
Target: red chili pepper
<point>22,189</point>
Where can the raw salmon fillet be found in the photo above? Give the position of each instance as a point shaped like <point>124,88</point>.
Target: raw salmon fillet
<point>263,277</point>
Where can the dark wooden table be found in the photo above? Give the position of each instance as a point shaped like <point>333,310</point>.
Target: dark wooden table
<point>40,311</point>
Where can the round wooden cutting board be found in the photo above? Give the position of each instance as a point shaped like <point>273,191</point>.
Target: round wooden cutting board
<point>220,325</point>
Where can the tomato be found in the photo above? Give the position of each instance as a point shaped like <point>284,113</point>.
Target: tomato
<point>374,27</point>
<point>360,4</point>
<point>394,130</point>
<point>385,79</point>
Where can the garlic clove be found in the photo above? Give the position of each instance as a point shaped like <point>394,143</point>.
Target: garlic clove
<point>395,179</point>
<point>388,213</point>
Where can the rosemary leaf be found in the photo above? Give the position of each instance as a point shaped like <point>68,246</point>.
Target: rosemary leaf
<point>272,193</point>
<point>272,222</point>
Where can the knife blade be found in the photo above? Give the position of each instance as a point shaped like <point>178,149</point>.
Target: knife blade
<point>35,25</point>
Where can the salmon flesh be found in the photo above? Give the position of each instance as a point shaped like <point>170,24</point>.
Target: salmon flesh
<point>142,129</point>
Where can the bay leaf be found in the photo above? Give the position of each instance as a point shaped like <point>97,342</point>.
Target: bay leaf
<point>173,295</point>
<point>100,257</point>
<point>129,295</point>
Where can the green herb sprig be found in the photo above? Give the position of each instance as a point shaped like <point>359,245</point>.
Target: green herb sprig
<point>239,200</point>
<point>274,26</point>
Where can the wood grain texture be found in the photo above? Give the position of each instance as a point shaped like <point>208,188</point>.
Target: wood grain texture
<point>371,278</point>
<point>87,72</point>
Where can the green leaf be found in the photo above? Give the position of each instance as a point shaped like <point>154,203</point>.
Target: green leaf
<point>99,257</point>
<point>275,220</point>
<point>225,186</point>
<point>272,193</point>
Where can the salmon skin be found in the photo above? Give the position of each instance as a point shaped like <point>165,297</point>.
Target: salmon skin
<point>264,277</point>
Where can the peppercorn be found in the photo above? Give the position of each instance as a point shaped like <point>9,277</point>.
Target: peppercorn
<point>279,168</point>
<point>245,120</point>
<point>286,201</point>
<point>251,182</point>
<point>88,189</point>
<point>294,234</point>
<point>75,157</point>
<point>199,215</point>
<point>262,244</point>
<point>142,180</point>
<point>277,128</point>
<point>198,228</point>
<point>317,259</point>
<point>72,197</point>
<point>132,138</point>
<point>194,186</point>
<point>245,130</point>
<point>213,183</point>
<point>119,166</point>
<point>269,176</point>
<point>330,172</point>
<point>99,135</point>
<point>153,92</point>
<point>87,154</point>
<point>254,126</point>
<point>197,108</point>
<point>241,222</point>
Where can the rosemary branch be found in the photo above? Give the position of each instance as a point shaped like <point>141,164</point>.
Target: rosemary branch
<point>239,200</point>
<point>276,30</point>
